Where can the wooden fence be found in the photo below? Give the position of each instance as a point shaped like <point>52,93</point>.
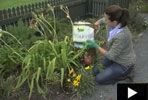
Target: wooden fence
<point>78,9</point>
<point>98,6</point>
<point>10,16</point>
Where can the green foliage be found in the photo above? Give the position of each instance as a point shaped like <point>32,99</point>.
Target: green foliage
<point>43,61</point>
<point>10,55</point>
<point>23,33</point>
<point>9,61</point>
<point>87,84</point>
<point>64,28</point>
<point>137,23</point>
<point>6,86</point>
<point>101,34</point>
<point>13,47</point>
<point>47,60</point>
<point>144,9</point>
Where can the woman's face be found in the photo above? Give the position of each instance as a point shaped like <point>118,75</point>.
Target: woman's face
<point>110,24</point>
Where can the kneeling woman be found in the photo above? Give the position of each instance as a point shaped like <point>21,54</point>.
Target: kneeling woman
<point>119,56</point>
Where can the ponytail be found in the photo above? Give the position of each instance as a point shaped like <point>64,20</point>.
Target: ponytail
<point>124,17</point>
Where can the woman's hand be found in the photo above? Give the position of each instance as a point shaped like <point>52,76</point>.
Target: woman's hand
<point>96,25</point>
<point>91,44</point>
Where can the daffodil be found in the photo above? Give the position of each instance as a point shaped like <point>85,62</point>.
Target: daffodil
<point>78,77</point>
<point>88,67</point>
<point>76,81</point>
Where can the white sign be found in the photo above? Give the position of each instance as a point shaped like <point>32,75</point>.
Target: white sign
<point>81,33</point>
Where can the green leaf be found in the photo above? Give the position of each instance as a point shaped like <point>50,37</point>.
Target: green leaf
<point>62,76</point>
<point>31,86</point>
<point>50,69</point>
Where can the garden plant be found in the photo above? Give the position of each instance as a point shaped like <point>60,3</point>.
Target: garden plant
<point>37,62</point>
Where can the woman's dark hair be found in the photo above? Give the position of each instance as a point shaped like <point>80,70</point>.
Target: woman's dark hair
<point>116,13</point>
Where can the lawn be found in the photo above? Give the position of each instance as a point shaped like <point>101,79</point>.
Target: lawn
<point>5,4</point>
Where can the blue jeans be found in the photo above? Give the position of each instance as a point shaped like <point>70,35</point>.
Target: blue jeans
<point>111,73</point>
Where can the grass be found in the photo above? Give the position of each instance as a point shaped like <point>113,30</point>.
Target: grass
<point>5,4</point>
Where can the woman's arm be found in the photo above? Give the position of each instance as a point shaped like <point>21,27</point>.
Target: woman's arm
<point>100,21</point>
<point>102,50</point>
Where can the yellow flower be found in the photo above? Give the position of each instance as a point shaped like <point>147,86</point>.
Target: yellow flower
<point>88,67</point>
<point>78,77</point>
<point>76,81</point>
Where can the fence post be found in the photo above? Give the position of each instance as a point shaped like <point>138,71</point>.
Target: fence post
<point>1,14</point>
<point>88,10</point>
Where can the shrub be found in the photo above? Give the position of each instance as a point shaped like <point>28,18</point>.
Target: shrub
<point>137,23</point>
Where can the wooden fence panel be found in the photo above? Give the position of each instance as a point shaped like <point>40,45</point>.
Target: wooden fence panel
<point>78,9</point>
<point>98,7</point>
<point>122,3</point>
<point>1,14</point>
<point>5,14</point>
